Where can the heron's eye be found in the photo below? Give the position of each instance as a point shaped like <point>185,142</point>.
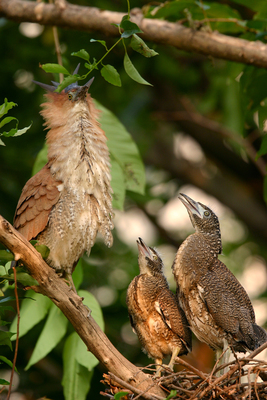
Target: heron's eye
<point>207,213</point>
<point>70,96</point>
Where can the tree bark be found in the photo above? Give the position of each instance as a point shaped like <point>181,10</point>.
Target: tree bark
<point>92,19</point>
<point>77,313</point>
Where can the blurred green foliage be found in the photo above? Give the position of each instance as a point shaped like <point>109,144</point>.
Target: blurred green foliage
<point>231,100</point>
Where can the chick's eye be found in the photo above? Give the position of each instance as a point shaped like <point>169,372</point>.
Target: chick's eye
<point>206,213</point>
<point>69,96</point>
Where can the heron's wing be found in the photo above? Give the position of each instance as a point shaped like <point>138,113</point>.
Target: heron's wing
<point>37,199</point>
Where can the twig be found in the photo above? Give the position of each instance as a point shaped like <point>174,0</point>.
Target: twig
<point>57,47</point>
<point>17,338</point>
<point>191,368</point>
<point>135,390</point>
<point>168,33</point>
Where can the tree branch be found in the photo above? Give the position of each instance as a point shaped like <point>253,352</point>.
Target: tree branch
<point>77,313</point>
<point>174,34</point>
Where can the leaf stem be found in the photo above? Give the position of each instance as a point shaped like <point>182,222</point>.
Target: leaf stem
<point>109,50</point>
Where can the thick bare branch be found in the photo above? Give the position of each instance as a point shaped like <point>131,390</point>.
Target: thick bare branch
<point>73,308</point>
<point>158,31</point>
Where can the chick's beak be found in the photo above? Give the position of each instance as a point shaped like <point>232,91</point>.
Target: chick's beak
<point>143,249</point>
<point>192,206</point>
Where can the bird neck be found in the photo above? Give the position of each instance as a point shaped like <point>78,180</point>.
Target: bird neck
<point>210,241</point>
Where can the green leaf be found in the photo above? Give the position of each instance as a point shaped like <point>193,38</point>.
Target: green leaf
<point>77,275</point>
<point>55,69</point>
<point>6,106</point>
<point>6,121</point>
<point>263,117</point>
<point>141,47</point>
<point>132,71</point>
<point>66,82</point>
<point>255,5</point>
<point>82,54</point>
<point>265,189</point>
<point>100,41</point>
<point>172,394</point>
<point>8,362</point>
<point>2,143</point>
<point>5,339</point>
<point>6,256</point>
<point>76,378</point>
<point>40,160</point>
<point>6,299</point>
<point>119,395</point>
<point>129,28</point>
<point>33,309</point>
<point>21,131</point>
<point>82,355</point>
<point>4,382</point>
<point>90,301</point>
<point>111,75</point>
<point>263,147</point>
<point>118,185</point>
<point>22,277</point>
<point>54,330</point>
<point>43,250</point>
<point>123,149</point>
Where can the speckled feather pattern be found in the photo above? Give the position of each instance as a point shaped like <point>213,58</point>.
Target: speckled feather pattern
<point>78,199</point>
<point>216,305</point>
<point>156,317</point>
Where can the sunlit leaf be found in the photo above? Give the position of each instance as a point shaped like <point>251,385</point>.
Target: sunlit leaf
<point>141,47</point>
<point>6,106</point>
<point>21,131</point>
<point>111,75</point>
<point>119,395</point>
<point>83,356</point>
<point>8,362</point>
<point>4,382</point>
<point>123,149</point>
<point>82,54</point>
<point>132,71</point>
<point>118,185</point>
<point>66,82</point>
<point>76,378</point>
<point>53,331</point>
<point>33,309</point>
<point>6,121</point>
<point>55,69</point>
<point>77,275</point>
<point>172,394</point>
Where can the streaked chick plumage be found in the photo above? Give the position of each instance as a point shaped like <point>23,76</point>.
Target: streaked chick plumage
<point>154,313</point>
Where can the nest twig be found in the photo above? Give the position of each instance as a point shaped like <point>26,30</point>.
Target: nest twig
<point>234,383</point>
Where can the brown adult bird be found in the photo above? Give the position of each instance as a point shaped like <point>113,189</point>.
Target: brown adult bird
<point>69,200</point>
<point>217,307</point>
<point>154,313</point>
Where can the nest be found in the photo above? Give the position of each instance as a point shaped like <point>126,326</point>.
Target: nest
<point>242,379</point>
